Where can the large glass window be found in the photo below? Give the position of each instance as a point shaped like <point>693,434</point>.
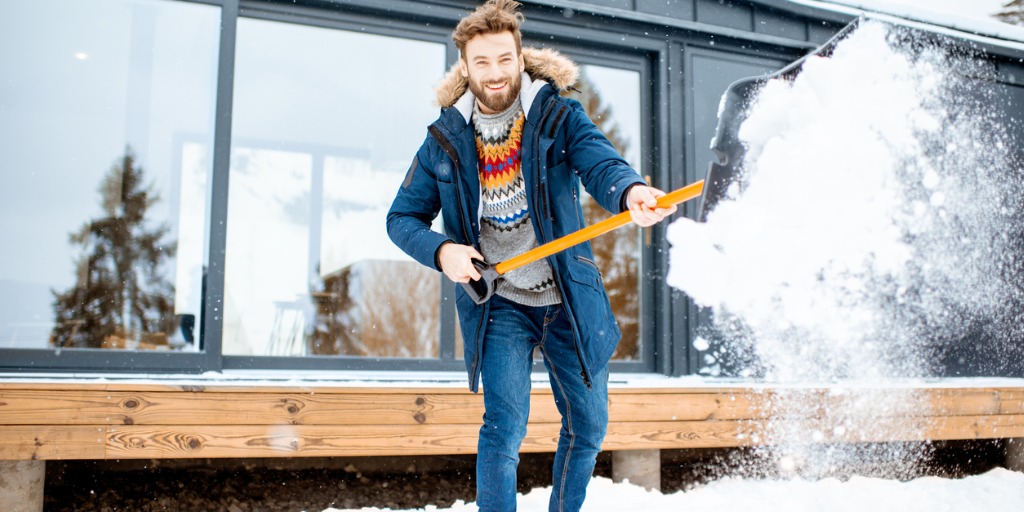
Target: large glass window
<point>106,112</point>
<point>611,97</point>
<point>325,124</point>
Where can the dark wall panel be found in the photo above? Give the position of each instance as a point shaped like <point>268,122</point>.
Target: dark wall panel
<point>774,23</point>
<point>679,9</point>
<point>725,13</point>
<point>619,4</point>
<point>820,32</point>
<point>1011,73</point>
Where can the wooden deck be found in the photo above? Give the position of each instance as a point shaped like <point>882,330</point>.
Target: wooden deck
<point>122,420</point>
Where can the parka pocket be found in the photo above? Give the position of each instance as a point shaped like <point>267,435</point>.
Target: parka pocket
<point>585,271</point>
<point>450,211</point>
<point>443,171</point>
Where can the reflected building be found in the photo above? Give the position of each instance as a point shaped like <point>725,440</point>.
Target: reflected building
<point>372,308</point>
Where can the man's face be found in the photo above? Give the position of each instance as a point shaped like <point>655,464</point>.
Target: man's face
<point>493,66</point>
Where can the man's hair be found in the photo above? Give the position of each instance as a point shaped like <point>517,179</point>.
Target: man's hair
<point>493,17</point>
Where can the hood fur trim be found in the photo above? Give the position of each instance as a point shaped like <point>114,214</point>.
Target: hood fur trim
<point>544,64</point>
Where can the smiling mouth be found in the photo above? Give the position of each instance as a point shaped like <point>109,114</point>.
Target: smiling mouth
<point>495,87</point>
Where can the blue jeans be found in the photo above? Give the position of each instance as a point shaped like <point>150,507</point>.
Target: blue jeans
<point>513,332</point>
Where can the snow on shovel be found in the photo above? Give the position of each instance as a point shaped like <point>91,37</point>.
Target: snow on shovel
<point>482,289</point>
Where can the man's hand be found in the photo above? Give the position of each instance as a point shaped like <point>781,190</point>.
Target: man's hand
<point>642,202</point>
<point>457,262</point>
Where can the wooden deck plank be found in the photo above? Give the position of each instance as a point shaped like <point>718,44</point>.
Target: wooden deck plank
<point>90,407</point>
<point>28,407</point>
<point>58,407</point>
<point>130,442</point>
<point>46,442</point>
<point>184,441</point>
<point>201,441</point>
<point>643,406</point>
<point>1011,403</point>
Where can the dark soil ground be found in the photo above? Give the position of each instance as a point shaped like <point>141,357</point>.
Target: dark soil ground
<point>283,485</point>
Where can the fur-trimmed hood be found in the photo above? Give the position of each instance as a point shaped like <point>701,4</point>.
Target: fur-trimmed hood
<point>541,64</point>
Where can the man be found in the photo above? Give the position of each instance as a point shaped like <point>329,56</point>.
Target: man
<point>503,165</point>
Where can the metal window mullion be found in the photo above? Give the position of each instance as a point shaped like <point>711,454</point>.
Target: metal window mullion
<point>655,105</point>
<point>447,310</point>
<point>683,359</point>
<point>448,316</point>
<point>213,308</point>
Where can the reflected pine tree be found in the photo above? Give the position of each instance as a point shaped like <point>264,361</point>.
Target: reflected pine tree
<point>1012,12</point>
<point>616,253</point>
<point>120,299</point>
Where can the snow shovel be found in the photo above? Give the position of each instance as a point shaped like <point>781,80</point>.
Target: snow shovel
<point>481,290</point>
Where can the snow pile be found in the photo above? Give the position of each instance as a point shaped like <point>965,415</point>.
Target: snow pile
<point>872,222</point>
<point>998,490</point>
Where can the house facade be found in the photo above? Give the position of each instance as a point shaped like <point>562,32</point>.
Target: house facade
<point>201,186</point>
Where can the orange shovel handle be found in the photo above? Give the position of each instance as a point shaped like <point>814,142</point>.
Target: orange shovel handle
<point>595,230</point>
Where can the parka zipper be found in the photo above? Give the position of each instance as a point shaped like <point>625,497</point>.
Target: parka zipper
<point>554,268</point>
<point>449,148</point>
<point>590,262</point>
<point>576,209</point>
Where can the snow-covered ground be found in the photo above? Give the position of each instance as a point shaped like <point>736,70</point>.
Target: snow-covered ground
<point>999,490</point>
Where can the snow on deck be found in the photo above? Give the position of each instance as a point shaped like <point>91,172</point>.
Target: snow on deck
<point>376,379</point>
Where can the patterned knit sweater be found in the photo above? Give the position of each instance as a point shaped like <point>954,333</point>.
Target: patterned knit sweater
<point>505,227</point>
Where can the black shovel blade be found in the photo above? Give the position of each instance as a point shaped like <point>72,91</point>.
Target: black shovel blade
<point>735,105</point>
<point>482,289</point>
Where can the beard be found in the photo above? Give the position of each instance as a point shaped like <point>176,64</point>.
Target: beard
<point>497,102</point>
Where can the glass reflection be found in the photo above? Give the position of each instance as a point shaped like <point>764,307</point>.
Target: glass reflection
<point>105,130</point>
<point>323,133</point>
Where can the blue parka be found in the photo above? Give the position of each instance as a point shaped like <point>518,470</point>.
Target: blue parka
<point>561,148</point>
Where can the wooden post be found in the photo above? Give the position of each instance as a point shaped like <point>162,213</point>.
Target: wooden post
<point>1015,454</point>
<point>21,485</point>
<point>640,467</point>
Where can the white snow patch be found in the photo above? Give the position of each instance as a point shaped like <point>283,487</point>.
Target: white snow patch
<point>999,490</point>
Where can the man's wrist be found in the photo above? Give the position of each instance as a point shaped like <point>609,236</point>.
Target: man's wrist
<point>437,254</point>
<point>624,202</point>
